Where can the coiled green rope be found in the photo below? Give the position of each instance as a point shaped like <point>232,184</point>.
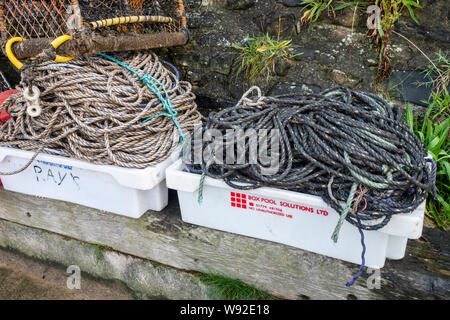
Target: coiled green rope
<point>331,143</point>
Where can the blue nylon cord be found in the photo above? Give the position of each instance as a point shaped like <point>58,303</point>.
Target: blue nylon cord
<point>363,259</point>
<point>433,176</point>
<point>150,81</point>
<point>175,70</point>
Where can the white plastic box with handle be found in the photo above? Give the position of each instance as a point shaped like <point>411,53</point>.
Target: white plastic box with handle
<point>124,191</point>
<point>296,219</point>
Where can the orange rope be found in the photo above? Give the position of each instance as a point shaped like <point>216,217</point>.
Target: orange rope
<point>136,4</point>
<point>181,12</point>
<point>2,17</point>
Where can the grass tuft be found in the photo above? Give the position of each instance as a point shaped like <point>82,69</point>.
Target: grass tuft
<point>231,289</point>
<point>435,135</point>
<point>259,55</point>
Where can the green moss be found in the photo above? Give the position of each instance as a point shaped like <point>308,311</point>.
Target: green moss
<point>99,252</point>
<point>232,289</point>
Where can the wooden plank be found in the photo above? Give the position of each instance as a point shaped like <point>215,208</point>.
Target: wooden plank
<point>282,270</point>
<point>145,278</point>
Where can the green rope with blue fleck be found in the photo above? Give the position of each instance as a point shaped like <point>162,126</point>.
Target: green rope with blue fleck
<point>356,137</point>
<point>345,210</point>
<point>331,143</point>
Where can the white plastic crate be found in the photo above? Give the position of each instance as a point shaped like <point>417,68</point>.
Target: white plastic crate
<point>128,192</point>
<point>300,220</point>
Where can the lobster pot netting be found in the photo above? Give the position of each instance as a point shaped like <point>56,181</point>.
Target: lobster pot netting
<point>52,18</point>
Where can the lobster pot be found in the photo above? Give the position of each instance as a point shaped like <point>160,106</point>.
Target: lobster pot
<point>296,219</point>
<point>152,23</point>
<point>124,191</point>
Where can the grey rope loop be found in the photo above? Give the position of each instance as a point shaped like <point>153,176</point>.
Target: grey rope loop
<point>93,110</point>
<point>330,143</point>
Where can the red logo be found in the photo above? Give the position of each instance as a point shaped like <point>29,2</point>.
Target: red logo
<point>238,200</point>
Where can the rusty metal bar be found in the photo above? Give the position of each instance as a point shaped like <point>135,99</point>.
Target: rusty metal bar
<point>90,44</point>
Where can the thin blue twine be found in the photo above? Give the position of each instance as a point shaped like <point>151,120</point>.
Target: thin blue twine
<point>433,177</point>
<point>150,81</point>
<point>175,70</point>
<point>363,259</point>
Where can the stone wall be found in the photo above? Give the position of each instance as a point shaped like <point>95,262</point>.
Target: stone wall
<point>336,51</point>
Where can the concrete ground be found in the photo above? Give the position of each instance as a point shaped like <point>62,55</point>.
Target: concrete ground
<point>24,278</point>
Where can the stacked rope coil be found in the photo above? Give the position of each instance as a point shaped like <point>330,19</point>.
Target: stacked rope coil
<point>351,148</point>
<point>105,112</point>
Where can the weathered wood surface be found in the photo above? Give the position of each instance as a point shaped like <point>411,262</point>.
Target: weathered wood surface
<point>282,270</point>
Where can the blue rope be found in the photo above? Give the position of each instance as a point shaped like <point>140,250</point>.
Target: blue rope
<point>363,259</point>
<point>175,70</point>
<point>150,81</point>
<point>433,177</point>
